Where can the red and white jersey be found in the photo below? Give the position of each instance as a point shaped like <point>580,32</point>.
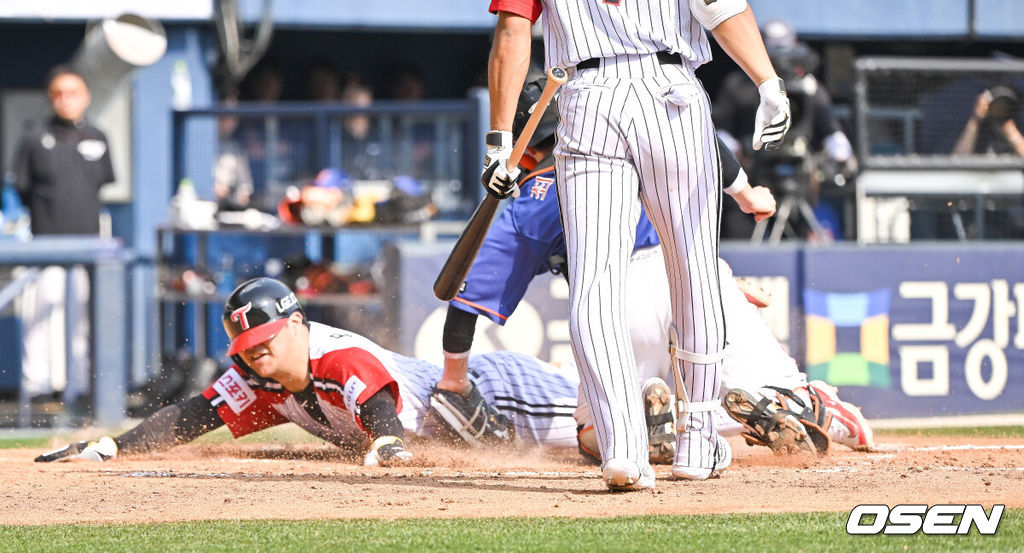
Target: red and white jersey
<point>346,369</point>
<point>577,30</point>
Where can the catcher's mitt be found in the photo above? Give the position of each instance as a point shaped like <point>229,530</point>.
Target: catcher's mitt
<point>471,418</point>
<point>766,423</point>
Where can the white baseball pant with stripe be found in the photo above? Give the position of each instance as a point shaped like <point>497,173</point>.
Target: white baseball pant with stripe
<point>633,130</point>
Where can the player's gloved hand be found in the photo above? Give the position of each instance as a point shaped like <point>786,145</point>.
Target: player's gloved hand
<point>773,116</point>
<point>496,178</point>
<point>103,449</point>
<point>387,451</point>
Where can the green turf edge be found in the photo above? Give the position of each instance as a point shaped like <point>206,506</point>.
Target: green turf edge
<point>774,533</point>
<point>957,432</point>
<point>21,442</point>
<point>284,434</point>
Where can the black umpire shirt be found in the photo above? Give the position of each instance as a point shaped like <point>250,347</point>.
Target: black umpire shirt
<point>59,169</point>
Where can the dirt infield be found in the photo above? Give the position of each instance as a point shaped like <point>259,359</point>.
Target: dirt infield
<point>312,481</point>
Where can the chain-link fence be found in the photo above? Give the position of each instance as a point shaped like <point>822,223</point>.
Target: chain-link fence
<point>944,136</point>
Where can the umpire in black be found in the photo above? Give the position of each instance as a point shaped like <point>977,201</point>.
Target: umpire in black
<point>61,165</point>
<point>59,169</point>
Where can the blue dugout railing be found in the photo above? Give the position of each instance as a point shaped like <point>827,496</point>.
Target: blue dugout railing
<point>110,312</point>
<point>437,142</point>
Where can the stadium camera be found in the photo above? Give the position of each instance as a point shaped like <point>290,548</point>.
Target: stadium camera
<point>1005,104</point>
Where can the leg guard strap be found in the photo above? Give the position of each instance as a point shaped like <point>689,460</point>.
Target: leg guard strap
<point>698,358</point>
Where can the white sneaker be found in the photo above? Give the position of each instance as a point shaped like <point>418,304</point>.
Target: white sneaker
<point>859,435</point>
<point>659,415</point>
<point>722,458</point>
<point>624,475</point>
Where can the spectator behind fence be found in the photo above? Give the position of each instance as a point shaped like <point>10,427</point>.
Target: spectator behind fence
<point>59,169</point>
<point>323,82</point>
<point>406,84</point>
<point>290,159</point>
<point>992,127</point>
<point>232,179</point>
<point>814,129</point>
<point>415,136</point>
<point>362,147</point>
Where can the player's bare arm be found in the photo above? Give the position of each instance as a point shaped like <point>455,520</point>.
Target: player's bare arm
<point>507,67</point>
<point>741,39</point>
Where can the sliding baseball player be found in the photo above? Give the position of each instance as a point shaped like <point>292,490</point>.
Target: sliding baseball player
<point>342,388</point>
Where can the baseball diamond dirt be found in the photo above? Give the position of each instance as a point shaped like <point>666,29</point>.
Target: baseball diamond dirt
<point>243,481</point>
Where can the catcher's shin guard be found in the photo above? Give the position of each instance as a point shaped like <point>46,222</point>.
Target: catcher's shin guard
<point>766,423</point>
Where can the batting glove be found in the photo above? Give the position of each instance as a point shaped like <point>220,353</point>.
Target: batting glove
<point>103,449</point>
<point>773,116</point>
<point>496,178</point>
<point>387,451</point>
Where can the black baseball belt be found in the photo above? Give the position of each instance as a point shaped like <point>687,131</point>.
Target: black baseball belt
<point>664,58</point>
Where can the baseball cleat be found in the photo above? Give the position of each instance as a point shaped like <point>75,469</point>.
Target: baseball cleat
<point>723,458</point>
<point>658,411</point>
<point>586,442</point>
<point>622,475</point>
<point>767,424</point>
<point>860,437</point>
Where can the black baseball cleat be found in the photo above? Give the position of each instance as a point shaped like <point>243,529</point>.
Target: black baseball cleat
<point>471,418</point>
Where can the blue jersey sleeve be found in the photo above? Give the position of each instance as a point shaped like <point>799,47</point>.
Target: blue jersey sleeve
<point>517,248</point>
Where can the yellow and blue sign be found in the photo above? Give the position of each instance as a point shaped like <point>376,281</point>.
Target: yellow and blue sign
<point>848,337</point>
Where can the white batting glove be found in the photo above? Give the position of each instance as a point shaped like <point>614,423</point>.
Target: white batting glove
<point>773,116</point>
<point>387,451</point>
<point>103,449</point>
<point>496,178</point>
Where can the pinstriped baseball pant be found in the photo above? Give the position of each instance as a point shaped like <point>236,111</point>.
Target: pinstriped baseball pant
<point>635,131</point>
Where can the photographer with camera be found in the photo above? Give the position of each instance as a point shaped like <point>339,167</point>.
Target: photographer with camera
<point>992,128</point>
<point>815,149</point>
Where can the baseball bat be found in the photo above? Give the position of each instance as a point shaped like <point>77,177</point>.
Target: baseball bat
<point>461,258</point>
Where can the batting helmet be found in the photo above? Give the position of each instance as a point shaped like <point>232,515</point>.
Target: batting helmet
<point>527,100</point>
<point>256,311</point>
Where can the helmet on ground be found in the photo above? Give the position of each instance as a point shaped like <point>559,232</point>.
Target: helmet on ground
<point>256,311</point>
<point>527,100</point>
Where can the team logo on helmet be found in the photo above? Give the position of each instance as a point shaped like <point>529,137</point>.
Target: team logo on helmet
<point>238,316</point>
<point>286,303</point>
